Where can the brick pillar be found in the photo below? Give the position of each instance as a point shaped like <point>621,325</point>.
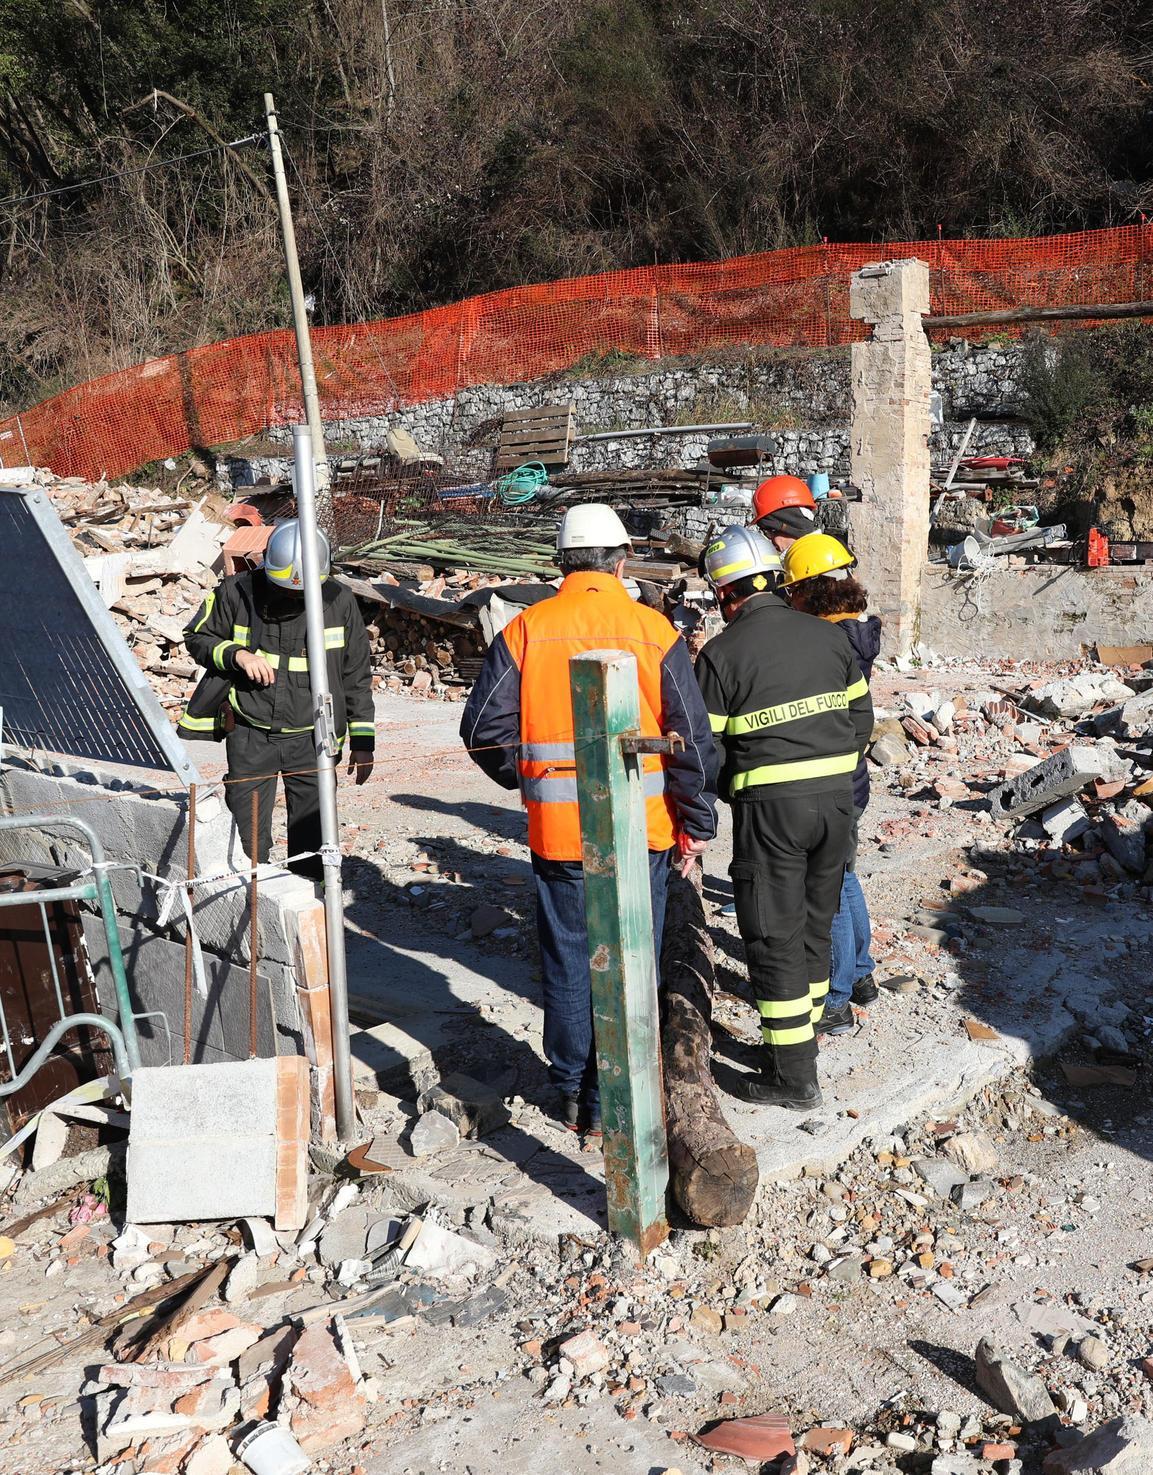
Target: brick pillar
<point>892,381</point>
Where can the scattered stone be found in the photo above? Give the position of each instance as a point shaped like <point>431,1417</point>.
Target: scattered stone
<point>1123,1446</point>
<point>941,1176</point>
<point>329,1403</point>
<point>889,751</point>
<point>1094,1353</point>
<point>433,1133</point>
<point>897,1440</point>
<point>1009,1387</point>
<point>586,1353</point>
<point>824,1441</point>
<point>476,1108</point>
<point>705,1319</point>
<point>1074,696</point>
<point>486,919</point>
<point>970,1196</point>
<point>974,1151</point>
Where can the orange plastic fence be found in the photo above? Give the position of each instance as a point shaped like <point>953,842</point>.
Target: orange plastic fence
<point>223,392</point>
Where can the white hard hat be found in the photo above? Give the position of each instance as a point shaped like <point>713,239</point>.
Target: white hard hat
<point>283,564</point>
<point>592,525</point>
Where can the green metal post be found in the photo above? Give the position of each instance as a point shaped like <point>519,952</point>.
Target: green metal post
<point>622,957</point>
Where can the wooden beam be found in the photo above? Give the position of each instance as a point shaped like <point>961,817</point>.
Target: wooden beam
<point>622,957</point>
<point>1080,313</point>
<point>714,1174</point>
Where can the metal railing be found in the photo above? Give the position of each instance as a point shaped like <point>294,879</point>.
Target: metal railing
<point>93,886</point>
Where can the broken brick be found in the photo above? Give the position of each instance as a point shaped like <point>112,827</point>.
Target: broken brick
<point>828,1441</point>
<point>587,1354</point>
<point>330,1406</point>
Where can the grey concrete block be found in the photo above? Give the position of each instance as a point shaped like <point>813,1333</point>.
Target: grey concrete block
<point>220,1030</point>
<point>386,1057</point>
<point>1047,782</point>
<point>1065,821</point>
<point>203,1141</point>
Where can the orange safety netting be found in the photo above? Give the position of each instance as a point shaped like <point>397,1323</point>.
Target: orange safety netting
<point>221,393</point>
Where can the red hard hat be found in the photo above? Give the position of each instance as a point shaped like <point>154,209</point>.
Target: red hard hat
<point>778,492</point>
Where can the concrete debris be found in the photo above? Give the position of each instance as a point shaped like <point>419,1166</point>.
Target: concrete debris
<point>1008,1387</point>
<point>432,1133</point>
<point>974,1151</point>
<point>476,1109</point>
<point>1076,695</point>
<point>1065,821</point>
<point>1123,1446</point>
<point>1045,783</point>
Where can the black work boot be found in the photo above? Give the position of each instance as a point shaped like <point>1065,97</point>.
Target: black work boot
<point>763,1090</point>
<point>865,991</point>
<point>837,1021</point>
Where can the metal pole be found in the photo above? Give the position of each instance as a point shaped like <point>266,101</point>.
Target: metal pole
<point>326,782</point>
<point>299,312</point>
<point>188,924</point>
<point>622,952</point>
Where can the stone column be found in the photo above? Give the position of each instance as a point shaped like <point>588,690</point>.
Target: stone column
<point>892,381</point>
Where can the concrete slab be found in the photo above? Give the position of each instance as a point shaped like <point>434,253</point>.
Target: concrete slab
<point>216,1141</point>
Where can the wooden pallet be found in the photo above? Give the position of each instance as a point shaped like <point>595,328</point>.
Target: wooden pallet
<point>543,434</point>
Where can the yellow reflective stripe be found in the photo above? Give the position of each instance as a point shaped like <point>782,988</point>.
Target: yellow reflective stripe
<point>334,637</point>
<point>784,1008</point>
<point>197,724</point>
<point>209,605</point>
<point>818,993</point>
<point>360,729</point>
<point>278,573</point>
<point>729,568</point>
<point>798,1036</point>
<point>240,634</point>
<point>826,701</point>
<point>858,689</point>
<point>717,723</point>
<point>294,663</point>
<point>781,773</point>
<point>219,650</point>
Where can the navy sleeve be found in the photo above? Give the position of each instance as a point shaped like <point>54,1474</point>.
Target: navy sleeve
<point>691,772</point>
<point>490,727</point>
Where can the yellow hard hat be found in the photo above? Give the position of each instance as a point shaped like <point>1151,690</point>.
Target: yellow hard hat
<point>814,554</point>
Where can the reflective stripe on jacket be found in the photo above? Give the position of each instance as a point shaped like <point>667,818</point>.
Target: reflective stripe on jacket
<point>224,625</point>
<point>518,722</point>
<point>786,700</point>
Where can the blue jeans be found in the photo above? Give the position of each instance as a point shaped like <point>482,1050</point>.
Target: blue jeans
<point>852,935</point>
<point>564,962</point>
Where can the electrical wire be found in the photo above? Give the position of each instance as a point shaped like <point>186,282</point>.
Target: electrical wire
<point>64,189</point>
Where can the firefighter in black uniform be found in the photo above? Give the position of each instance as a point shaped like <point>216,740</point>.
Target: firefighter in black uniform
<point>791,713</point>
<point>250,636</point>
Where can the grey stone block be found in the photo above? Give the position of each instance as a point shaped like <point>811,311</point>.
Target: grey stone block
<point>385,1056</point>
<point>1047,782</point>
<point>202,1144</point>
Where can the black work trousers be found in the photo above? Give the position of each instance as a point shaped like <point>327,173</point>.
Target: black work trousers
<point>789,854</point>
<point>256,760</point>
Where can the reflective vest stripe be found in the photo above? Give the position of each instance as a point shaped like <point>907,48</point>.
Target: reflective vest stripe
<point>718,721</point>
<point>818,993</point>
<point>334,637</point>
<point>197,724</point>
<point>220,650</point>
<point>547,753</point>
<point>562,788</point>
<point>362,729</point>
<point>783,773</point>
<point>209,604</point>
<point>799,1035</point>
<point>785,1008</point>
<point>858,689</point>
<point>814,706</point>
<point>241,634</point>
<point>294,663</point>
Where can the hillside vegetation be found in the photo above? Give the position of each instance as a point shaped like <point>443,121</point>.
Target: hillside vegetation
<point>445,147</point>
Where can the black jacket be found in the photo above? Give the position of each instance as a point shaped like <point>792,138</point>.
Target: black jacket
<point>786,699</point>
<point>244,613</point>
<point>864,632</point>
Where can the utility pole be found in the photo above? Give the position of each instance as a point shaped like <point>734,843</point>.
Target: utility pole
<point>299,314</point>
<point>325,733</point>
<point>622,954</point>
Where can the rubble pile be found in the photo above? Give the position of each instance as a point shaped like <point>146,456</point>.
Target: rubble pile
<point>1061,769</point>
<point>153,557</point>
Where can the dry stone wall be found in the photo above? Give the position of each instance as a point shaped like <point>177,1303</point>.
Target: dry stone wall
<point>801,397</point>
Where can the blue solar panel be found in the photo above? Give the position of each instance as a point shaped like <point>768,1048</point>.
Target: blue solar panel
<point>68,682</point>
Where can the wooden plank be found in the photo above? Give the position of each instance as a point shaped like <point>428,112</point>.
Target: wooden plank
<point>538,412</point>
<point>622,958</point>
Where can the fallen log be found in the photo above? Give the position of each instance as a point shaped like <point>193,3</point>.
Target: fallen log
<point>714,1175</point>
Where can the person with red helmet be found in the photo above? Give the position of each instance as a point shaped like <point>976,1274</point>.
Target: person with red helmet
<point>784,510</point>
